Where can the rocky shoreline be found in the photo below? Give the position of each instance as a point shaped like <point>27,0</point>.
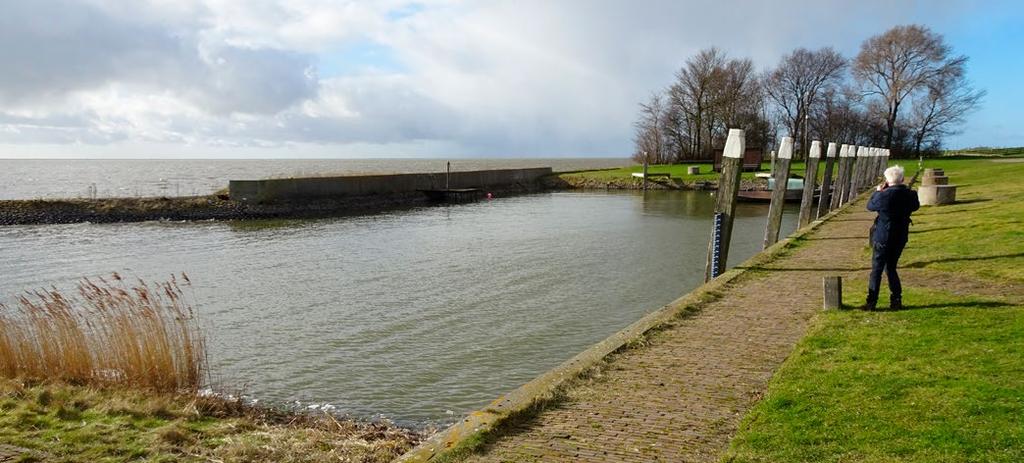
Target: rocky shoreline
<point>200,208</point>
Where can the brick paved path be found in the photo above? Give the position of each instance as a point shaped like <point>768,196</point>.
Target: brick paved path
<point>680,397</point>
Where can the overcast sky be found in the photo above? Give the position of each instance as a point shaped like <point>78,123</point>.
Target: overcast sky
<point>312,78</point>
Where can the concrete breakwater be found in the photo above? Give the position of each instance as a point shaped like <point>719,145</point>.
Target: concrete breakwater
<point>296,189</point>
<point>273,198</point>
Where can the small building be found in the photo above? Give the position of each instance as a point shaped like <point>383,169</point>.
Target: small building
<point>751,160</point>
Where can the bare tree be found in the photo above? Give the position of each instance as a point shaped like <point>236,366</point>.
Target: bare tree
<point>837,116</point>
<point>692,94</point>
<point>650,131</point>
<point>711,94</point>
<point>897,64</point>
<point>942,109</point>
<point>796,84</point>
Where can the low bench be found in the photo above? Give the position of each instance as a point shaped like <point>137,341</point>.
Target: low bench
<point>649,174</point>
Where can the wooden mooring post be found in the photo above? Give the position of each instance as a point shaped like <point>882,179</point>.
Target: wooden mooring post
<point>843,177</point>
<point>883,163</point>
<point>825,200</point>
<point>774,224</point>
<point>873,173</point>
<point>833,292</point>
<point>725,202</point>
<point>856,164</point>
<point>810,179</point>
<point>645,171</point>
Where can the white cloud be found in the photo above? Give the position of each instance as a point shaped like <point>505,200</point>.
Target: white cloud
<point>483,78</point>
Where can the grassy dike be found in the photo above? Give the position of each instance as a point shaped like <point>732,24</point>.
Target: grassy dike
<point>942,380</point>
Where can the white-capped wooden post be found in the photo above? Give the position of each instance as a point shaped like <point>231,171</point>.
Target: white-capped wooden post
<point>851,191</point>
<point>855,173</point>
<point>874,166</point>
<point>810,178</point>
<point>825,200</point>
<point>725,202</point>
<point>843,176</point>
<point>645,171</point>
<point>783,157</point>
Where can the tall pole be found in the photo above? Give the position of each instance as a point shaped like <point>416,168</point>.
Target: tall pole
<point>447,176</point>
<point>825,200</point>
<point>810,178</point>
<point>771,232</point>
<point>725,201</point>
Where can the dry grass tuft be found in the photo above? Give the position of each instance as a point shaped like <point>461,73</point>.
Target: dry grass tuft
<point>111,333</point>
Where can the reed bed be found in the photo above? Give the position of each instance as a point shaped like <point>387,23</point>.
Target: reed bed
<point>110,332</point>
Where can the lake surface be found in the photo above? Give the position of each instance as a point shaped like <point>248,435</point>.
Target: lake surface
<point>420,315</point>
<point>83,178</point>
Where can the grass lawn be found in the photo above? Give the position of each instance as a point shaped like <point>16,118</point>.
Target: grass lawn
<point>941,381</point>
<point>677,171</point>
<point>1016,151</point>
<point>983,234</point>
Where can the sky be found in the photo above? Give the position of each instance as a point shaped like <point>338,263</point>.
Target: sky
<point>431,78</point>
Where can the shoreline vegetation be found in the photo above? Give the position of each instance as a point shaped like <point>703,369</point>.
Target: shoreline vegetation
<point>114,373</point>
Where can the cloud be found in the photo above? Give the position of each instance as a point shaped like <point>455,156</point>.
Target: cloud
<point>479,78</point>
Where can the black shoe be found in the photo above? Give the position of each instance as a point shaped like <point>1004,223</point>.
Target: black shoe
<point>871,302</point>
<point>895,303</point>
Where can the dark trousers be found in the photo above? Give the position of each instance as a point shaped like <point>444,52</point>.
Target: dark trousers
<point>884,257</point>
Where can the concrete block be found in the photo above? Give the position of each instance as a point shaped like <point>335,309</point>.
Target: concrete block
<point>298,189</point>
<point>933,171</point>
<point>936,195</point>
<point>693,170</point>
<point>935,180</point>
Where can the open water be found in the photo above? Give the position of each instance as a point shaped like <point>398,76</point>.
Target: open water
<point>419,315</point>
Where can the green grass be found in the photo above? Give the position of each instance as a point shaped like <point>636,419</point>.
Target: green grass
<point>677,171</point>
<point>941,381</point>
<point>64,423</point>
<point>981,236</point>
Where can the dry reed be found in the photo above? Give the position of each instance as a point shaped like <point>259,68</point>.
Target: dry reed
<point>112,332</point>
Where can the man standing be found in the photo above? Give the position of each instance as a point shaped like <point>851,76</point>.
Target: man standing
<point>894,202</point>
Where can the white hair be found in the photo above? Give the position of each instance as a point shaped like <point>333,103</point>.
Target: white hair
<point>894,175</point>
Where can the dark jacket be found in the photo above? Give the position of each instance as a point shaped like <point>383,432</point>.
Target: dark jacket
<point>894,206</point>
